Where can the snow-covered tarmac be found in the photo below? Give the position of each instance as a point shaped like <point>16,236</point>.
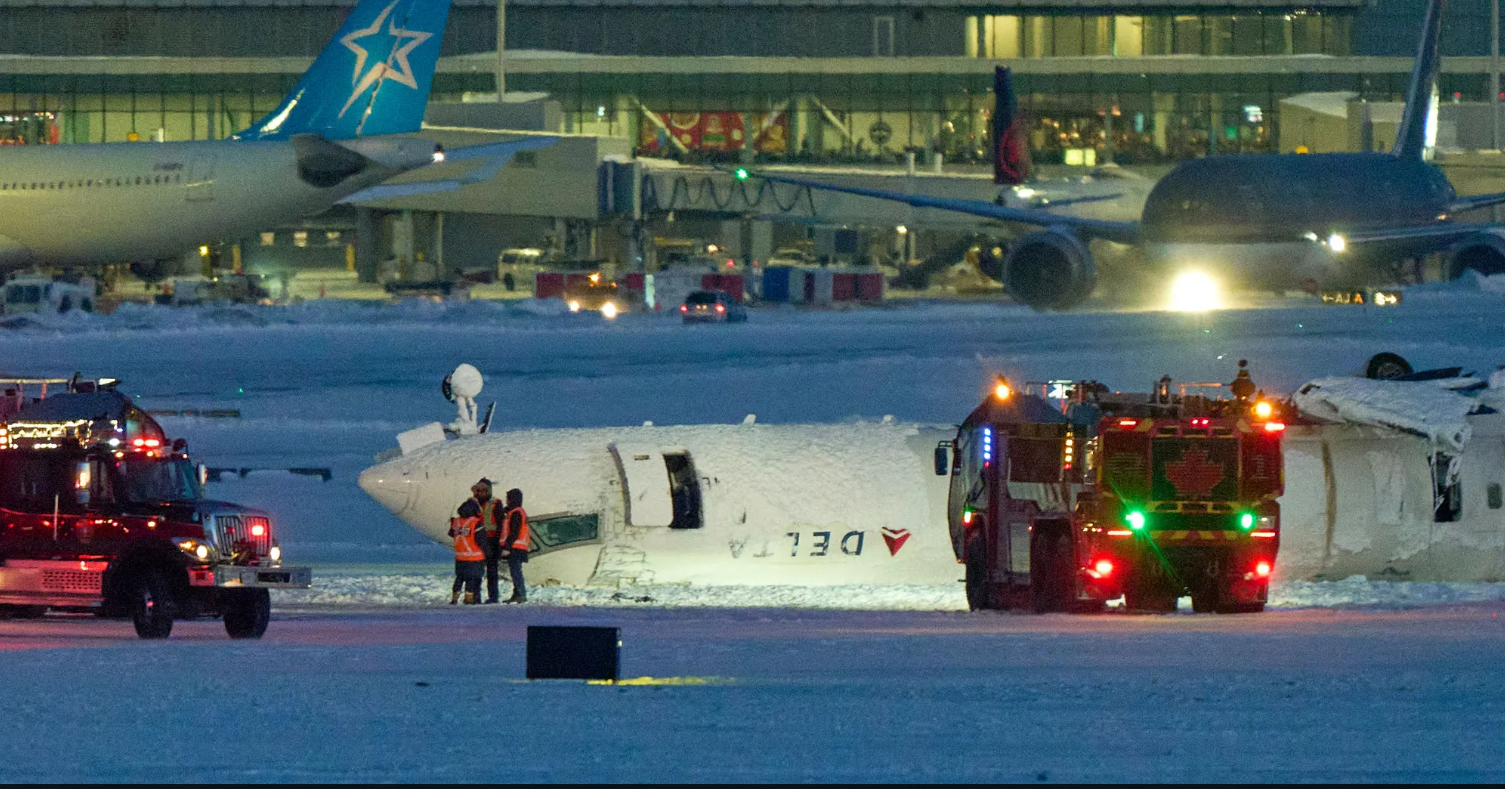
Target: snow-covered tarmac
<point>1349,680</point>
<point>767,695</point>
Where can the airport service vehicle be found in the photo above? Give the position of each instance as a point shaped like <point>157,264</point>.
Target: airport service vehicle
<point>35,293</point>
<point>103,514</point>
<point>600,294</point>
<point>1061,504</point>
<point>712,306</point>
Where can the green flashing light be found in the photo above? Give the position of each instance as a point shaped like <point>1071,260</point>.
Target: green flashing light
<point>1246,521</point>
<point>1135,520</point>
<point>741,173</point>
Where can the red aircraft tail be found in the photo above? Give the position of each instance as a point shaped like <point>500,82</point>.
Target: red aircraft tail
<point>1010,141</point>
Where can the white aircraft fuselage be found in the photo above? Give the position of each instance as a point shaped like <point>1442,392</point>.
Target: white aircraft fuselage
<point>802,505</point>
<point>127,202</point>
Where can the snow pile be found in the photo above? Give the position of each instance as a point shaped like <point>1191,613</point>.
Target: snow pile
<point>421,589</point>
<point>1357,591</point>
<point>426,587</point>
<point>1420,408</point>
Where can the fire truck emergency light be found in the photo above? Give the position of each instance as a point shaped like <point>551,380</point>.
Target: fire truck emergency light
<point>1135,519</point>
<point>1246,521</point>
<point>1263,409</point>
<point>1002,390</point>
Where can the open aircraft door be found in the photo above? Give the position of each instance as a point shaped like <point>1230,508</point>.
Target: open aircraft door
<point>201,176</point>
<point>645,485</point>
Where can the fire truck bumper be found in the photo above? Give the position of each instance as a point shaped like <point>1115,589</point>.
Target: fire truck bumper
<point>238,577</point>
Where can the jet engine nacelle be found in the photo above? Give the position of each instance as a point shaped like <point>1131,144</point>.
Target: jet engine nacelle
<point>1483,252</point>
<point>1050,270</point>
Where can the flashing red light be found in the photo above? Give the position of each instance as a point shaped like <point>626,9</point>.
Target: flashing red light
<point>1274,427</point>
<point>731,263</point>
<point>1120,533</point>
<point>140,442</point>
<point>153,443</point>
<point>1103,567</point>
<point>684,308</point>
<point>721,308</point>
<point>1263,535</point>
<point>1128,423</point>
<point>1262,569</point>
<point>258,530</point>
<point>1201,422</point>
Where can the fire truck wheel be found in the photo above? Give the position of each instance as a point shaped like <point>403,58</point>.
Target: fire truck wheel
<point>1241,608</point>
<point>247,613</point>
<point>1206,602</point>
<point>22,612</point>
<point>1149,597</point>
<point>153,607</point>
<point>1051,576</point>
<point>977,575</point>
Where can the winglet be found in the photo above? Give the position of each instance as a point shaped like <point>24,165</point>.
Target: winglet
<point>1417,127</point>
<point>373,78</point>
<point>1010,151</point>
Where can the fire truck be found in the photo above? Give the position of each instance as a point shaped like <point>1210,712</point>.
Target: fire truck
<point>102,514</point>
<point>1065,499</point>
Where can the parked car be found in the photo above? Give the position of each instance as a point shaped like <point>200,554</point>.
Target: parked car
<point>712,306</point>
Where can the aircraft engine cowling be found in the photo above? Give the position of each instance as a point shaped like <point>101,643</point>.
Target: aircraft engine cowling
<point>1050,270</point>
<point>1483,252</point>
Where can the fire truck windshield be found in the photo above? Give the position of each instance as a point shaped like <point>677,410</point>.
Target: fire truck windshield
<point>159,479</point>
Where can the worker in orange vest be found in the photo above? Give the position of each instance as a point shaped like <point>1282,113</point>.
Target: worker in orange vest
<point>482,505</point>
<point>470,561</point>
<point>515,543</point>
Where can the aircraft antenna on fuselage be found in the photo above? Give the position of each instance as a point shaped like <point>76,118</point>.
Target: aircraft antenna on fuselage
<point>1418,123</point>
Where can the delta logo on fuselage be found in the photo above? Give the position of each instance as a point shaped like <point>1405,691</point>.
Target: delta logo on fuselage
<point>822,543</point>
<point>383,68</point>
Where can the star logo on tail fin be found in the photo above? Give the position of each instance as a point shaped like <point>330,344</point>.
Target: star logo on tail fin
<point>395,67</point>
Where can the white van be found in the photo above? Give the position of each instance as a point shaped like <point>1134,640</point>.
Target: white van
<point>32,293</point>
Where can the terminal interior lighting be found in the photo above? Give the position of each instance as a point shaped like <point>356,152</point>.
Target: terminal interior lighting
<point>1135,519</point>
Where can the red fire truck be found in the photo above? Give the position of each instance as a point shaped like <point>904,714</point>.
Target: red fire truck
<point>1066,499</point>
<point>102,514</point>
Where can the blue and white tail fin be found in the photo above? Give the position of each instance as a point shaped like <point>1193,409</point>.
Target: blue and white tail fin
<point>373,78</point>
<point>1418,125</point>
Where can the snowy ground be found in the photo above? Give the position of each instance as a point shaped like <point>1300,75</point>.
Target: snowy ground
<point>360,679</point>
<point>768,695</point>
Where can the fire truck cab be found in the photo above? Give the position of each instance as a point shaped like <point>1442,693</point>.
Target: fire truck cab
<point>101,513</point>
<point>1067,499</point>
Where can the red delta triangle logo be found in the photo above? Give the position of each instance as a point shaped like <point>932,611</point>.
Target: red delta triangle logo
<point>895,538</point>
<point>1193,475</point>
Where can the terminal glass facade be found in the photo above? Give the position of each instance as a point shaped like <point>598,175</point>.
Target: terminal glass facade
<point>1277,33</point>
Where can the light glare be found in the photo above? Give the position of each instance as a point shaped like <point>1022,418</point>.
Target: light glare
<point>1195,291</point>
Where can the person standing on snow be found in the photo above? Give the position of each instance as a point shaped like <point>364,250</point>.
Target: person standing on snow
<point>515,543</point>
<point>468,560</point>
<point>483,506</point>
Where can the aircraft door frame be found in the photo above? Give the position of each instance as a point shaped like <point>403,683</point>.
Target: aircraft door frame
<point>645,485</point>
<point>201,176</point>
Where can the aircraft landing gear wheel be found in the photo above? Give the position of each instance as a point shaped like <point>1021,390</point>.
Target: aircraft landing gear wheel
<point>1387,366</point>
<point>153,608</point>
<point>978,588</point>
<point>247,613</point>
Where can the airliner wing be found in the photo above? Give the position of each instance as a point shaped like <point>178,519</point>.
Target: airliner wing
<point>1443,233</point>
<point>1476,201</point>
<point>490,159</point>
<point>1121,232</point>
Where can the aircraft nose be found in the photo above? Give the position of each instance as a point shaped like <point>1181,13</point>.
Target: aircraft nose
<point>391,488</point>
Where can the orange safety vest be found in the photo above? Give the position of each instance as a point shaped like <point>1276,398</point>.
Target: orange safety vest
<point>466,549</point>
<point>488,514</point>
<point>523,534</point>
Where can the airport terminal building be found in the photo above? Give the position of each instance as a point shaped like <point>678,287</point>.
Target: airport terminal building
<point>802,80</point>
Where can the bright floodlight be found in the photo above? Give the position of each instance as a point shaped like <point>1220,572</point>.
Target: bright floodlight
<point>1337,243</point>
<point>608,310</point>
<point>1194,291</point>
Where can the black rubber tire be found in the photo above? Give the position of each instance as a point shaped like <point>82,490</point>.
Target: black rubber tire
<point>1386,366</point>
<point>153,607</point>
<point>978,597</point>
<point>247,613</point>
<point>1051,573</point>
<point>1205,603</point>
<point>1149,597</point>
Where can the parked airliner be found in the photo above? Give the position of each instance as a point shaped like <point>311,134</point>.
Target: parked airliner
<point>332,137</point>
<point>1263,220</point>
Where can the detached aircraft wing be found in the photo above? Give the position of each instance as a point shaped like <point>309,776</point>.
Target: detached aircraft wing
<point>1476,201</point>
<point>1443,233</point>
<point>1121,232</point>
<point>490,158</point>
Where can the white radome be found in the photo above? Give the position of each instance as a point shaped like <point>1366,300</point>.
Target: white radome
<point>466,381</point>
